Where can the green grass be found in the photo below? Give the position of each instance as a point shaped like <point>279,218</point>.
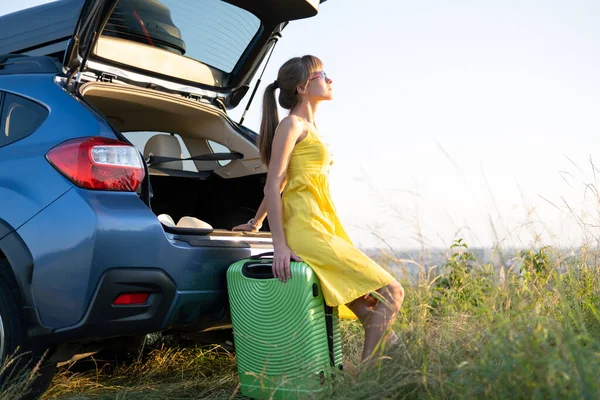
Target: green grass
<point>472,331</point>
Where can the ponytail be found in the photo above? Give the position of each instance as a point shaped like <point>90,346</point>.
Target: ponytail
<point>268,124</point>
<point>294,72</point>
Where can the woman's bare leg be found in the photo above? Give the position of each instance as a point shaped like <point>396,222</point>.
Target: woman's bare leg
<point>361,307</point>
<point>379,320</point>
<point>376,326</point>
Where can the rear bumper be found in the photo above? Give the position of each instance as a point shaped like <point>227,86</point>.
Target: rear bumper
<point>104,319</point>
<point>88,247</point>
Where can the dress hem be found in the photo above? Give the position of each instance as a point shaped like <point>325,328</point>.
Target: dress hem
<point>360,295</point>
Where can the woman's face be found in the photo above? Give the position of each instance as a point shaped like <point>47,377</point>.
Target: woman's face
<point>319,87</point>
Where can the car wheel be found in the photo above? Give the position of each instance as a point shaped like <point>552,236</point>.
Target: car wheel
<point>16,359</point>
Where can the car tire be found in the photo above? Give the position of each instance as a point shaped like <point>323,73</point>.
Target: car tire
<point>17,361</point>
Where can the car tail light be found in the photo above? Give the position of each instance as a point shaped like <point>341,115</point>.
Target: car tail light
<point>131,299</point>
<point>99,163</point>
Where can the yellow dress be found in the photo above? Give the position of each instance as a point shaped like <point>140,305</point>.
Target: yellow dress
<point>314,232</point>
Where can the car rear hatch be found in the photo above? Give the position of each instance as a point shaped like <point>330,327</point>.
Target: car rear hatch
<point>208,49</point>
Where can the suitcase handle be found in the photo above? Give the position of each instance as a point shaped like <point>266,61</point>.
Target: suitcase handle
<point>258,271</point>
<point>261,256</point>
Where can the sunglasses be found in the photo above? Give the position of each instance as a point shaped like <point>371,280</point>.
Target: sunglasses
<point>320,74</point>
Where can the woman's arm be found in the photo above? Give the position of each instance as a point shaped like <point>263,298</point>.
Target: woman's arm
<point>286,136</point>
<point>256,223</point>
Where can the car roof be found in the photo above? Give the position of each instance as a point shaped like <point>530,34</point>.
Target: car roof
<point>41,30</point>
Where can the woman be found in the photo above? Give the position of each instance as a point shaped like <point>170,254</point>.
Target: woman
<point>302,219</point>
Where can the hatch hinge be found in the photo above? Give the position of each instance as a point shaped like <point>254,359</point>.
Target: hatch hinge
<point>105,77</point>
<point>192,96</point>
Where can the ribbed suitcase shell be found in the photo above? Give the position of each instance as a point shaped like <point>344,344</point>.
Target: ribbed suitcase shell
<point>281,330</point>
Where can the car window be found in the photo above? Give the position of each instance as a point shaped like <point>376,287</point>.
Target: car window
<point>19,118</point>
<point>219,148</point>
<point>139,140</point>
<point>211,31</point>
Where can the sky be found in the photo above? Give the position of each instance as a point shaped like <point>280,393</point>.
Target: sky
<point>474,119</point>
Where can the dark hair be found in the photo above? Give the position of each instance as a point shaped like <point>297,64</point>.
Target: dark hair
<point>292,74</point>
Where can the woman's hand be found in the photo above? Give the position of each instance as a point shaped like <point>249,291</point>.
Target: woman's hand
<point>245,228</point>
<point>249,226</point>
<point>281,262</point>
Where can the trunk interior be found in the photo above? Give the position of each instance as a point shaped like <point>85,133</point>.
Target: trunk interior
<point>222,203</point>
<point>222,194</point>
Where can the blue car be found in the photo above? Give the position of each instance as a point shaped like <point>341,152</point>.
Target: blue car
<point>121,173</point>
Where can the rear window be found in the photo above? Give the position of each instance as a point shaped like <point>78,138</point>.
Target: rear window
<point>19,118</point>
<point>219,148</point>
<point>211,31</point>
<point>140,139</point>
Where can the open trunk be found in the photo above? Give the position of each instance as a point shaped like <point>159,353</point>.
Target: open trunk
<point>221,194</point>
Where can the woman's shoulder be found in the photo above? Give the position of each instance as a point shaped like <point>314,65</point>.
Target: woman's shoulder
<point>291,125</point>
<point>293,122</point>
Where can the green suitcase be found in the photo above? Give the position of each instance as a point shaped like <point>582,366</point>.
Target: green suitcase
<point>287,340</point>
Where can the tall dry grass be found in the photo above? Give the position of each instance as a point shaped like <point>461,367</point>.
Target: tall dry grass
<point>469,330</point>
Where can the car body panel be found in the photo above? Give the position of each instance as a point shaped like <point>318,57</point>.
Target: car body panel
<point>23,162</point>
<point>103,230</point>
<point>40,30</point>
